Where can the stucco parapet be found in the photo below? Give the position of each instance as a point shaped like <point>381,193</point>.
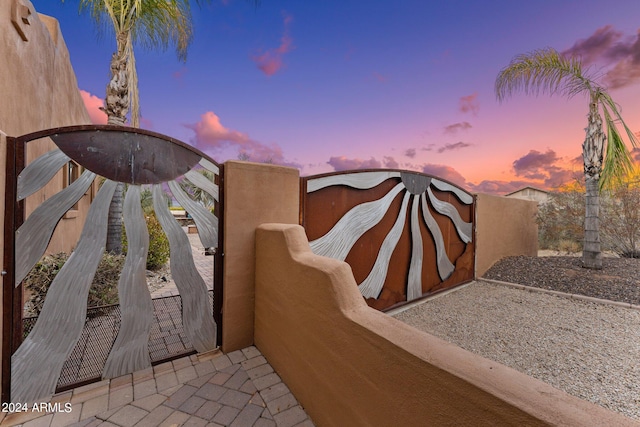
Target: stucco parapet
<point>293,275</point>
<point>242,165</point>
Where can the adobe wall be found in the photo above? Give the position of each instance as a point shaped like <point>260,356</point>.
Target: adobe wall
<point>38,90</point>
<point>253,194</point>
<point>350,365</point>
<point>38,87</point>
<point>504,227</point>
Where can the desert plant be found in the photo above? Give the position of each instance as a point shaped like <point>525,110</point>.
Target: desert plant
<point>561,220</point>
<point>158,243</point>
<point>103,291</point>
<point>621,229</point>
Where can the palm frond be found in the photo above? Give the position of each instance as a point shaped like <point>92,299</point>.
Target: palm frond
<point>607,102</point>
<point>618,163</point>
<point>543,71</point>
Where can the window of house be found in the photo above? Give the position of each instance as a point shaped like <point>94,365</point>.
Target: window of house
<point>71,172</point>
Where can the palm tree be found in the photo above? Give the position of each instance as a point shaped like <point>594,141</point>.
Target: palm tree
<point>153,24</point>
<point>547,71</point>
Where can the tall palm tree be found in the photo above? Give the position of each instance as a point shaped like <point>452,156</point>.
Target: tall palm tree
<point>153,24</point>
<point>547,71</point>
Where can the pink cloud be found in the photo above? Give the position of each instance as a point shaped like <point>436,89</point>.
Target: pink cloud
<point>452,147</point>
<point>212,138</point>
<point>534,161</point>
<point>470,104</point>
<point>179,75</point>
<point>610,48</point>
<point>444,172</point>
<point>379,77</point>
<point>341,163</point>
<point>270,62</point>
<point>410,152</point>
<point>390,162</point>
<point>93,104</point>
<point>543,167</point>
<point>457,127</point>
<point>498,187</point>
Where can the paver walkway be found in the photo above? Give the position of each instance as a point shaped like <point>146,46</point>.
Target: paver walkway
<point>239,389</point>
<point>212,389</point>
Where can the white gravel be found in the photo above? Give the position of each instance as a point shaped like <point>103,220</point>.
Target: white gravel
<point>589,350</point>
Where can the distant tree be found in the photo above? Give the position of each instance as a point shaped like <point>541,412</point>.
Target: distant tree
<point>547,71</point>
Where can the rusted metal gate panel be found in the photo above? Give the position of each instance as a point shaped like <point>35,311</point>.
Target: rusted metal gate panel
<point>34,363</point>
<point>405,235</point>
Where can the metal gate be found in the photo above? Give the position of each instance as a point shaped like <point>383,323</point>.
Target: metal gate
<point>34,364</point>
<point>405,235</point>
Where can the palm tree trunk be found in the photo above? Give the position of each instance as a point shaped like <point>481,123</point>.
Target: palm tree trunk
<point>116,107</point>
<point>592,154</point>
<point>114,228</point>
<point>117,99</point>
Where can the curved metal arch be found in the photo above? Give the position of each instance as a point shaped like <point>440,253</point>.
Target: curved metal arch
<point>124,154</point>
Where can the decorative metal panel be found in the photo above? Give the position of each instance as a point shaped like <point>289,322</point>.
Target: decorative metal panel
<point>37,363</point>
<point>404,234</point>
<point>130,350</point>
<point>121,155</point>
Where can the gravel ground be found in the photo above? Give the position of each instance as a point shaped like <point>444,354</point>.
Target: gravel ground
<point>619,279</point>
<point>587,349</point>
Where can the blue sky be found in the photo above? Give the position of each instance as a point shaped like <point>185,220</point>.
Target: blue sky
<point>334,84</point>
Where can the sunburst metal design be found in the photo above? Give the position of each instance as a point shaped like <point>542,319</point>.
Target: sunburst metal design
<point>37,363</point>
<point>417,195</point>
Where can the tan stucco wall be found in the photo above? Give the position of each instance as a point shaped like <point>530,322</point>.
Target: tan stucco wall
<point>350,365</point>
<point>504,227</point>
<point>38,90</point>
<point>253,194</point>
<point>3,149</point>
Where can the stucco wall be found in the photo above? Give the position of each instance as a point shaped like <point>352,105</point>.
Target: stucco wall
<point>38,90</point>
<point>350,365</point>
<point>253,194</point>
<point>3,149</point>
<point>504,227</point>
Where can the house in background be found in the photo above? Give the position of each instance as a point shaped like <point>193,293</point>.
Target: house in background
<point>530,193</point>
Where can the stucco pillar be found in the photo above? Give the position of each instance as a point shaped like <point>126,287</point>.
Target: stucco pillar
<point>504,227</point>
<point>254,194</point>
<point>3,168</point>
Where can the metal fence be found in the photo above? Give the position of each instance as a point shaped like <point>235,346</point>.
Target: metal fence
<point>167,339</point>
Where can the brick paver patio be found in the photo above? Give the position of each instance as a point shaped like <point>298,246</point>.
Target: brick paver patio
<point>239,389</point>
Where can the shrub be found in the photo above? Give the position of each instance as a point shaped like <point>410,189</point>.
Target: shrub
<point>620,221</point>
<point>158,243</point>
<point>103,291</point>
<point>561,219</point>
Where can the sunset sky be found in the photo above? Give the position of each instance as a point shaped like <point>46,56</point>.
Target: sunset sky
<point>345,84</point>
